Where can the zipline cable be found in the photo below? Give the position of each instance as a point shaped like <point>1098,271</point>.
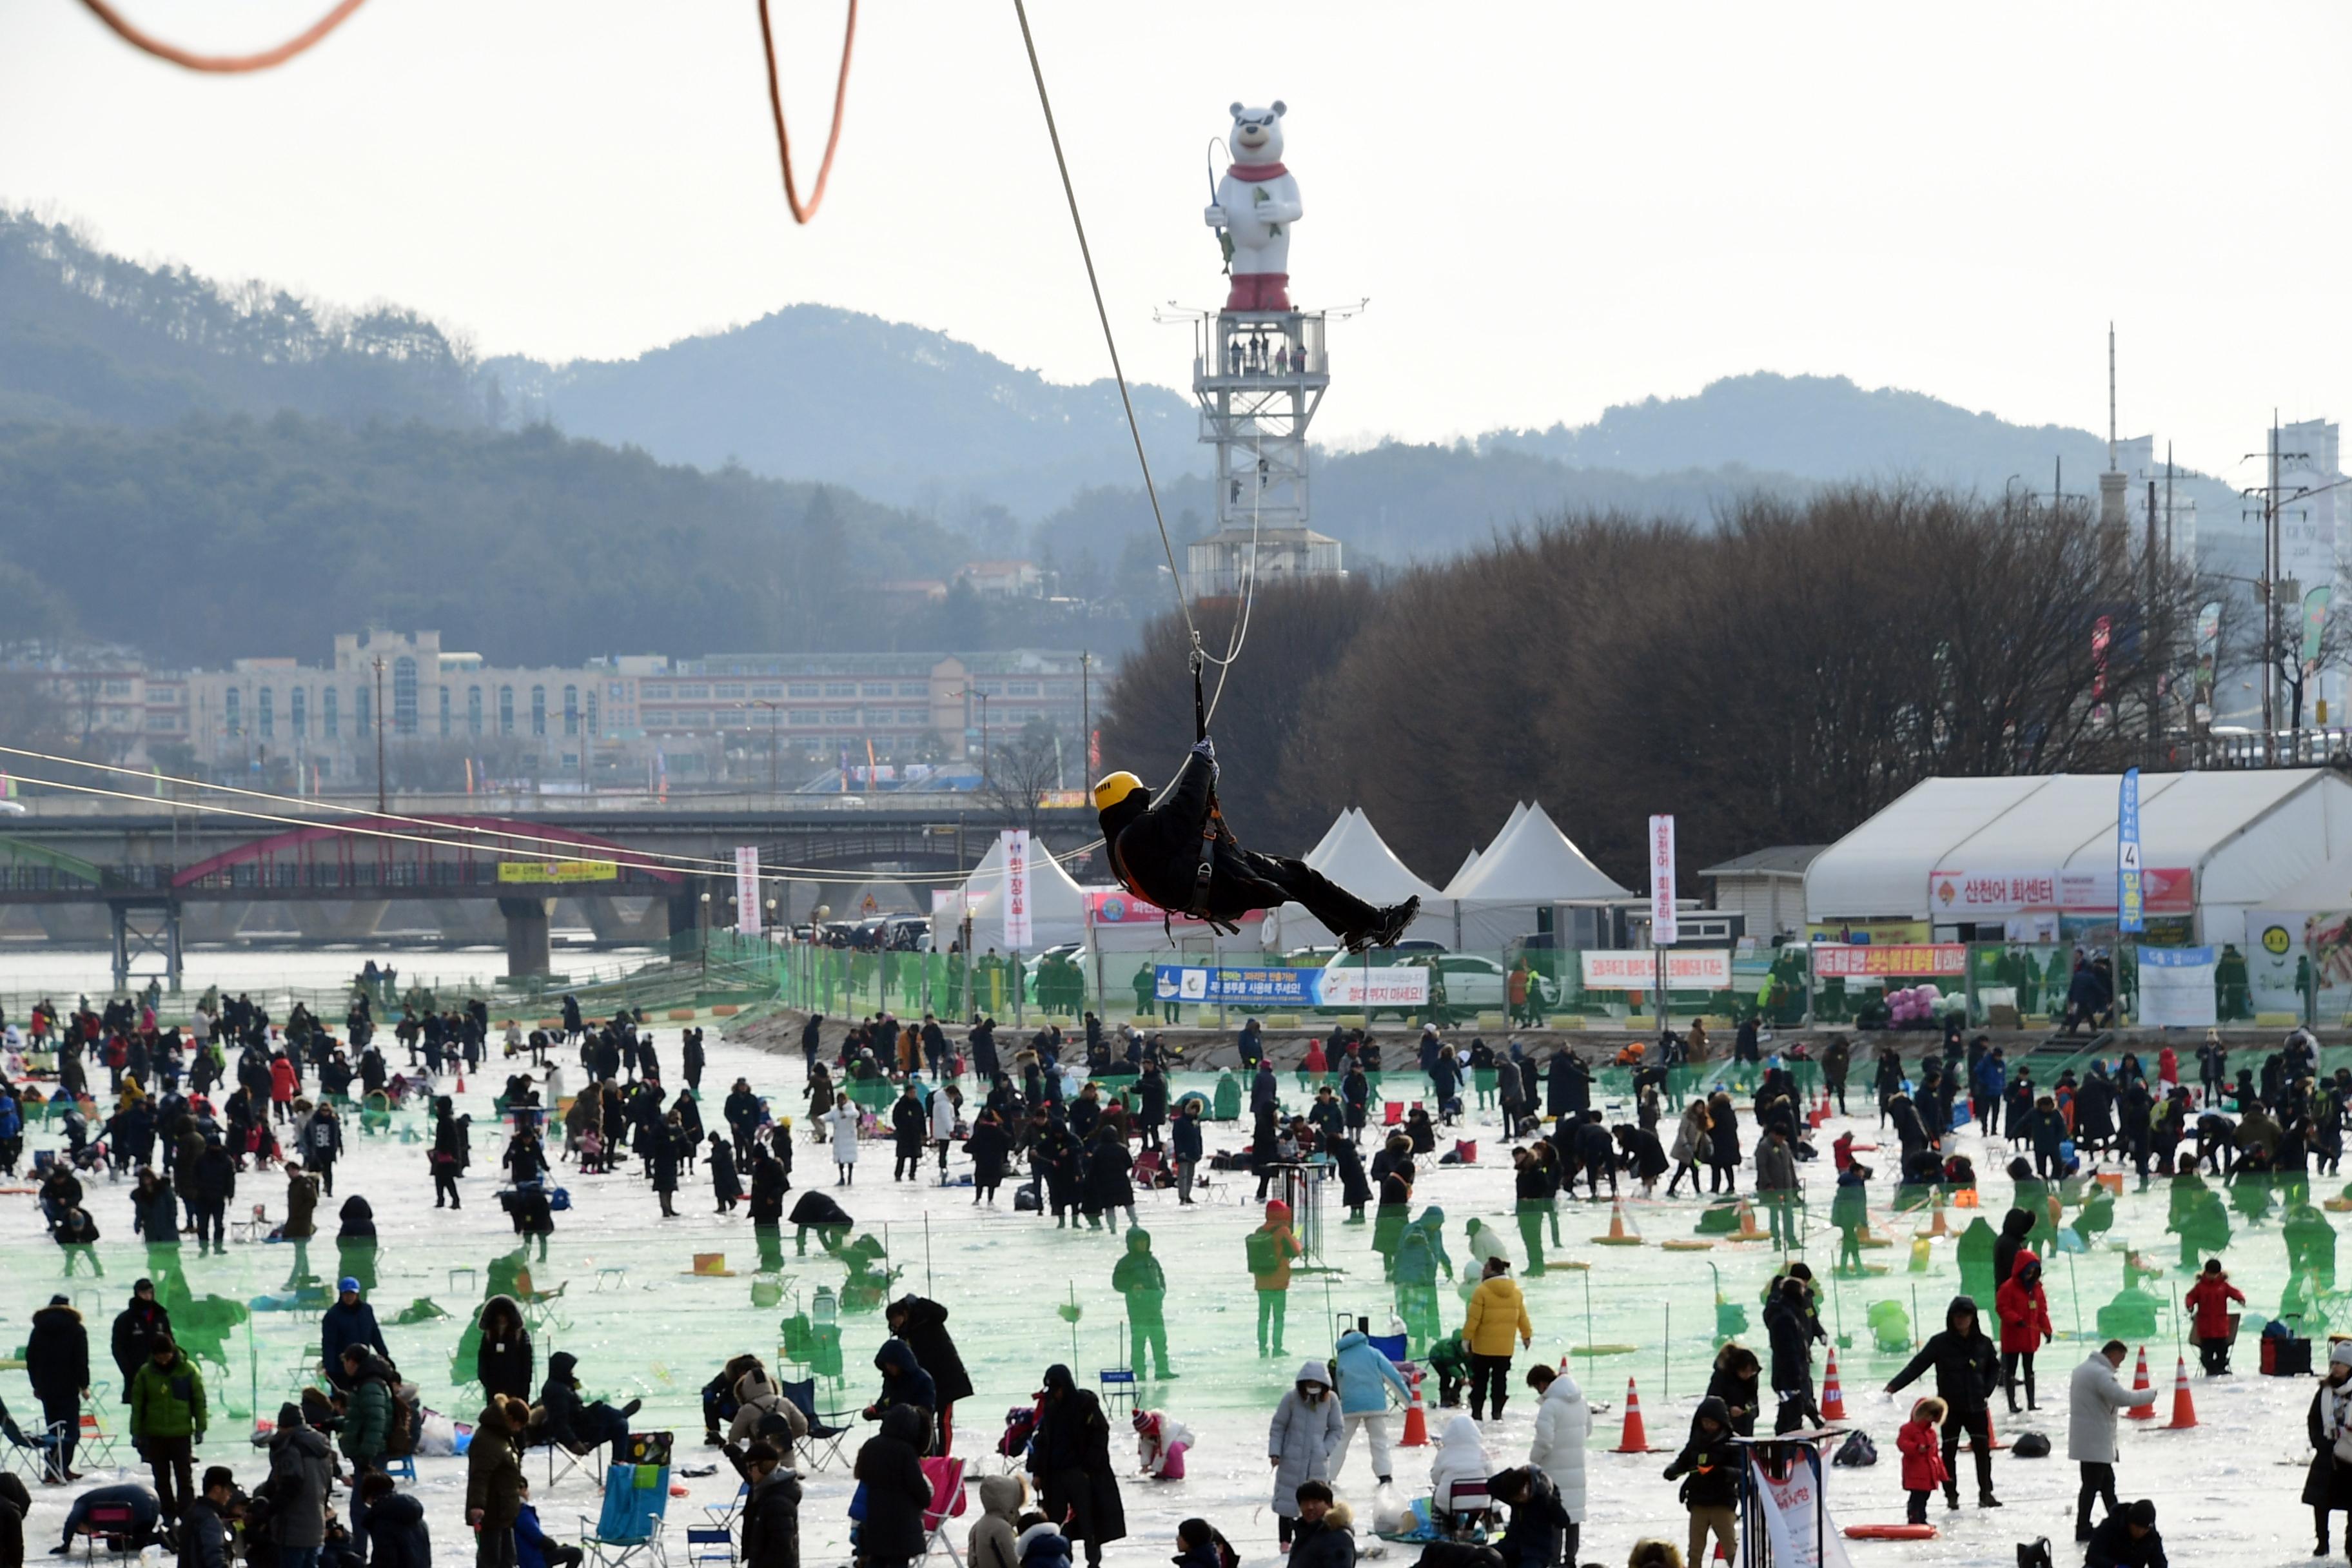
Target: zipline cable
<point>801,213</point>
<point>221,65</point>
<point>1111,341</point>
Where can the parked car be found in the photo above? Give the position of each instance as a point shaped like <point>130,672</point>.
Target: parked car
<point>1473,983</point>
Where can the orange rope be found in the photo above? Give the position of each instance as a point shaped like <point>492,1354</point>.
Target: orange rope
<point>226,65</point>
<point>776,106</point>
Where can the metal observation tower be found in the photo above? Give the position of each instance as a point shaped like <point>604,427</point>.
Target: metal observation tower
<point>1259,376</point>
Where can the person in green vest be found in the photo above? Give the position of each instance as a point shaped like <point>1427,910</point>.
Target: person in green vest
<point>1145,981</point>
<point>1271,1249</point>
<point>1225,1104</point>
<point>167,1421</point>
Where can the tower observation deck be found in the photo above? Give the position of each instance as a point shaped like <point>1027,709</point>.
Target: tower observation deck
<point>1259,376</point>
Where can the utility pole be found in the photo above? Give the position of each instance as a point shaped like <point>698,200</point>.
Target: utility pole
<point>2147,637</point>
<point>379,735</point>
<point>1087,715</point>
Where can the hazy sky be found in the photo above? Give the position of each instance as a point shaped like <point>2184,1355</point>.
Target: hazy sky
<point>1552,207</point>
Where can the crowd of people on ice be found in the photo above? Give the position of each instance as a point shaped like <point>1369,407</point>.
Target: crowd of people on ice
<point>1076,1125</point>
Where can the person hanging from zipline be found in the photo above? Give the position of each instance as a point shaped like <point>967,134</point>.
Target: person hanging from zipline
<point>1178,853</point>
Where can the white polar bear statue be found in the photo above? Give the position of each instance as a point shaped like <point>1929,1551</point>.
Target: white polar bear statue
<point>1257,201</point>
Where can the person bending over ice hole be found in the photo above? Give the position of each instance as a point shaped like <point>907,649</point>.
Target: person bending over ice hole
<point>1178,853</point>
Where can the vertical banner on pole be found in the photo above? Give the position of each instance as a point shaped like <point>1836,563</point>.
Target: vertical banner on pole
<point>747,889</point>
<point>2130,898</point>
<point>1662,931</point>
<point>1016,889</point>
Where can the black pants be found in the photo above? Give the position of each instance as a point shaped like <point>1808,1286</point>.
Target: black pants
<point>2213,1355</point>
<point>1341,912</point>
<point>444,1189</point>
<point>211,1215</point>
<point>2010,1363</point>
<point>2098,1481</point>
<point>1797,1411</point>
<point>173,1460</point>
<point>1490,1384</point>
<point>61,1413</point>
<point>1979,1428</point>
<point>1836,1090</point>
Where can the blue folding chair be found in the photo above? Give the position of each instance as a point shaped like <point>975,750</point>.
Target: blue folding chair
<point>628,1532</point>
<point>824,1437</point>
<point>709,1545</point>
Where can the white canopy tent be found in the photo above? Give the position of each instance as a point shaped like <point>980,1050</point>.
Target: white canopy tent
<point>1057,911</point>
<point>1354,855</point>
<point>2245,836</point>
<point>1530,867</point>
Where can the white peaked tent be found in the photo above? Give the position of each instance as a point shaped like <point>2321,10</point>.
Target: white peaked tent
<point>1530,866</point>
<point>1354,855</point>
<point>1057,911</point>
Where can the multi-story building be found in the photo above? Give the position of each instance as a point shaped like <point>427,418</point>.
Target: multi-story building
<point>451,719</point>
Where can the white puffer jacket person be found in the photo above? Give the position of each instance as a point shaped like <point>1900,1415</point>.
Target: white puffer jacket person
<point>1460,1457</point>
<point>1563,1431</point>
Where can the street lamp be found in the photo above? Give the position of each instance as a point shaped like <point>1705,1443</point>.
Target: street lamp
<point>704,934</point>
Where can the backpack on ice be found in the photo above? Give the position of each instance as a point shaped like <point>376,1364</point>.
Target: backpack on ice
<point>1857,1449</point>
<point>2034,1554</point>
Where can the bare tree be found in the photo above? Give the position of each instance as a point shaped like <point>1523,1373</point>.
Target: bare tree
<point>2294,650</point>
<point>1020,771</point>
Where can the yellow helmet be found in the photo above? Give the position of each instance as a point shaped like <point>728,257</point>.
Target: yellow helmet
<point>1113,788</point>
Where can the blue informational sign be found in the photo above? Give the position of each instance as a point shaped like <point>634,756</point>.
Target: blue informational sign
<point>2130,905</point>
<point>2175,957</point>
<point>1274,986</point>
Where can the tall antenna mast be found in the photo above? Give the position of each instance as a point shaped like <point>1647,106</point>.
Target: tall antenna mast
<point>2111,395</point>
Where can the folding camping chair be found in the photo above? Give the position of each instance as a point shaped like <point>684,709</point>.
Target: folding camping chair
<point>108,1522</point>
<point>1150,1170</point>
<point>36,1454</point>
<point>1118,1389</point>
<point>629,1526</point>
<point>1464,1506</point>
<point>824,1437</point>
<point>946,1477</point>
<point>709,1544</point>
<point>97,1437</point>
<point>562,1462</point>
<point>723,1515</point>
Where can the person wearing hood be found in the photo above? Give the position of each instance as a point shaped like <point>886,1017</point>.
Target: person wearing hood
<point>301,1471</point>
<point>904,1385</point>
<point>1143,1284</point>
<point>1739,1381</point>
<point>995,1534</point>
<point>1302,1441</point>
<point>2128,1539</point>
<point>1070,1460</point>
<point>1461,1457</point>
<point>504,1362</point>
<point>2094,1396</point>
<point>1040,1544</point>
<point>772,1509</point>
<point>1563,1431</point>
<point>494,1485</point>
<point>2024,1309</point>
<point>1366,1375</point>
<point>762,1413</point>
<point>56,1362</point>
<point>349,1322</point>
<point>366,1381</point>
<point>1966,1371</point>
<point>1323,1536</point>
<point>1496,1314</point>
<point>2327,1484</point>
<point>897,1491</point>
<point>1270,1248</point>
<point>923,1325</point>
<point>1921,1444</point>
<point>391,1524</point>
<point>2216,1325</point>
<point>355,1242</point>
<point>2016,1234</point>
<point>1201,1544</point>
<point>566,1420</point>
<point>1713,1465</point>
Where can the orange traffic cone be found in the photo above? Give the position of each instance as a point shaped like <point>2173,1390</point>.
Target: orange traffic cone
<point>2184,1409</point>
<point>1416,1418</point>
<point>1992,1438</point>
<point>1748,1230</point>
<point>1619,1234</point>
<point>1833,1396</point>
<point>461,1081</point>
<point>2140,1384</point>
<point>1635,1440</point>
<point>1936,1225</point>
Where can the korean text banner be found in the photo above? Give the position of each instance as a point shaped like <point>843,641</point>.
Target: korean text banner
<point>1636,969</point>
<point>1336,987</point>
<point>1834,960</point>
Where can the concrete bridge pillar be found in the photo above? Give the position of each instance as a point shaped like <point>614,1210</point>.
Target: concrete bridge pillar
<point>528,952</point>
<point>469,920</point>
<point>626,920</point>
